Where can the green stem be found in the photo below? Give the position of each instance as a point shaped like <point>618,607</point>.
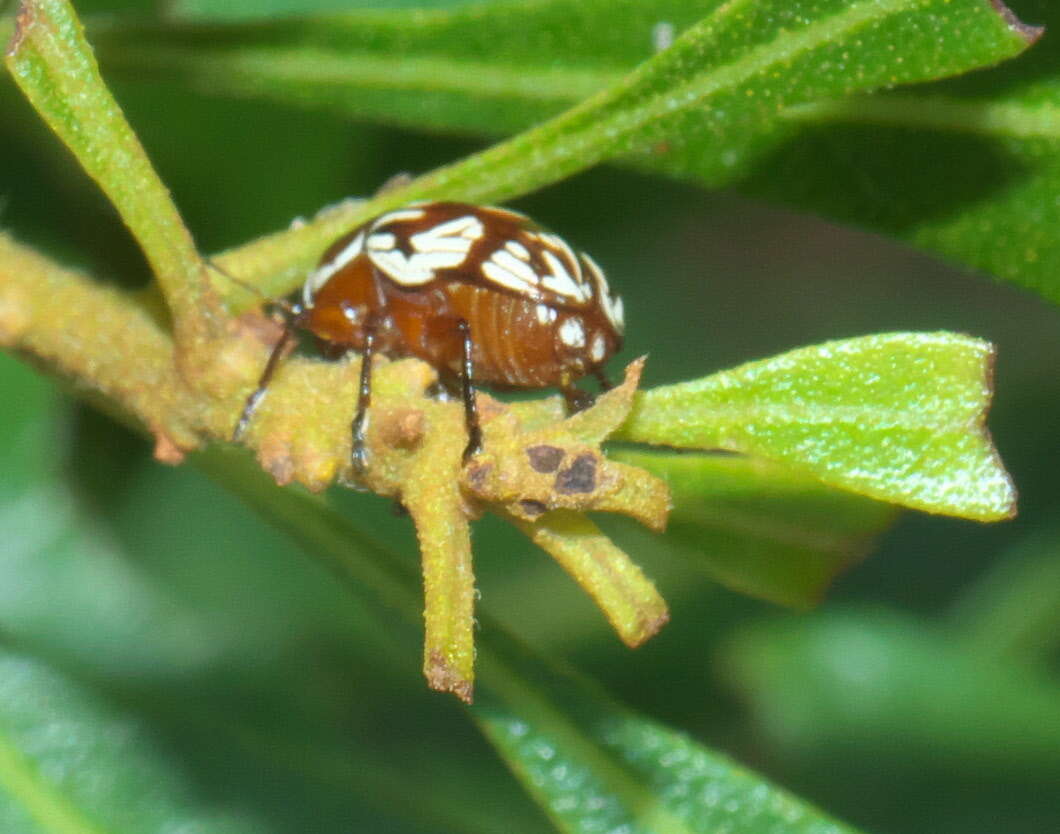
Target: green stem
<point>52,62</point>
<point>432,496</point>
<point>621,590</point>
<point>513,683</point>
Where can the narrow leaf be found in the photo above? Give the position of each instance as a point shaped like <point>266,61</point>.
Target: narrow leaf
<point>1012,612</point>
<point>704,104</point>
<point>69,765</point>
<point>909,696</point>
<point>593,765</point>
<point>52,62</point>
<point>112,616</point>
<point>621,590</point>
<point>760,528</point>
<point>899,417</point>
<point>969,176</point>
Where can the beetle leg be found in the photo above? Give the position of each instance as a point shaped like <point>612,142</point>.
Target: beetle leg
<point>467,391</point>
<point>359,452</point>
<point>576,399</point>
<point>266,377</point>
<point>601,377</point>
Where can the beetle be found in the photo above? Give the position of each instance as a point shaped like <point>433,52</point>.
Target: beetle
<point>483,294</point>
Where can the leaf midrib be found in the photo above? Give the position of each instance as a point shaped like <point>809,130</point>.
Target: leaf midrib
<point>724,416</point>
<point>366,69</point>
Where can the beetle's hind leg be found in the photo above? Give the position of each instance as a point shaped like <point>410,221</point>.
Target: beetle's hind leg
<point>359,450</point>
<point>577,399</point>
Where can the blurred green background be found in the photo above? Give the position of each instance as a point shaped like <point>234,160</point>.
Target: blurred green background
<point>921,696</point>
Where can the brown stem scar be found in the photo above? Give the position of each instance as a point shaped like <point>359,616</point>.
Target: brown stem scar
<point>23,22</point>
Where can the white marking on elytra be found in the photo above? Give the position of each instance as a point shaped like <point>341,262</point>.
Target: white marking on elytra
<point>572,332</point>
<point>559,280</point>
<point>506,278</point>
<point>598,348</point>
<point>616,313</point>
<point>507,270</point>
<point>611,305</point>
<point>320,276</point>
<point>566,254</point>
<point>545,314</point>
<point>595,273</point>
<point>455,235</point>
<point>517,249</point>
<point>381,240</point>
<point>444,246</point>
<point>400,214</point>
<point>414,270</point>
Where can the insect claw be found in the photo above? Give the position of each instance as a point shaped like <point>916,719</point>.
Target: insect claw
<point>248,411</point>
<point>359,458</point>
<point>474,446</point>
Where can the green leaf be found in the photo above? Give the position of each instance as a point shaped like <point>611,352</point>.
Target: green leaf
<point>593,765</point>
<point>111,617</point>
<point>968,177</point>
<point>714,108</point>
<point>967,168</point>
<point>52,63</point>
<point>69,765</point>
<point>911,696</point>
<point>236,9</point>
<point>1012,612</point>
<point>491,67</point>
<point>898,416</point>
<point>760,528</point>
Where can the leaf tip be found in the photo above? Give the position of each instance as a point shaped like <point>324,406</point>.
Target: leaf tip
<point>1029,32</point>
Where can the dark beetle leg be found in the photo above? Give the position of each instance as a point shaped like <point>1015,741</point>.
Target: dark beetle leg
<point>266,377</point>
<point>467,391</point>
<point>576,399</point>
<point>359,453</point>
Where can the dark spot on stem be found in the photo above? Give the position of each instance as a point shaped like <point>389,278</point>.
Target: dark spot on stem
<point>580,476</point>
<point>545,458</point>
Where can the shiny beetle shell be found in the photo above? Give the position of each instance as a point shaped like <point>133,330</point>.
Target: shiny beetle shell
<point>539,313</point>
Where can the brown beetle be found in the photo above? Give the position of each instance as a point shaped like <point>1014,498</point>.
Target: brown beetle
<point>482,294</point>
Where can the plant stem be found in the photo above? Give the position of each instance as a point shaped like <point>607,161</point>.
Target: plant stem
<point>55,67</point>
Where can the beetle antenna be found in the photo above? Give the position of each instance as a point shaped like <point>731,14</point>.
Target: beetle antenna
<point>290,309</point>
